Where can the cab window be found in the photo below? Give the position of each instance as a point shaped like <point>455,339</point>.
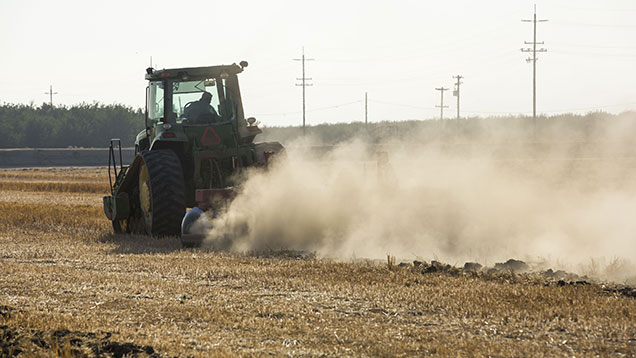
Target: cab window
<point>155,101</point>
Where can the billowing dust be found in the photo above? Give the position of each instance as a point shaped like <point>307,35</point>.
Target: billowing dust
<point>550,207</point>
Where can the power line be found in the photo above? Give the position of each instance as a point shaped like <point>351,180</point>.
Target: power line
<point>596,54</point>
<point>400,104</point>
<point>334,106</point>
<point>533,59</point>
<point>429,108</point>
<point>563,44</point>
<point>50,93</point>
<point>303,83</point>
<point>591,108</point>
<point>494,112</point>
<point>441,105</point>
<point>310,110</point>
<point>594,25</point>
<point>596,10</point>
<point>555,110</point>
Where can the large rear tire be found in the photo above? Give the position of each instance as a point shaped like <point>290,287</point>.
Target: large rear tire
<point>161,192</point>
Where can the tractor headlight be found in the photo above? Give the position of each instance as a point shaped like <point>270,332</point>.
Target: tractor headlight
<point>167,126</point>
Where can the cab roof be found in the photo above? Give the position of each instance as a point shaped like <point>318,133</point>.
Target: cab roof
<point>188,73</point>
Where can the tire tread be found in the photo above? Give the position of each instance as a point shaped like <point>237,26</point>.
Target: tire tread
<point>167,191</point>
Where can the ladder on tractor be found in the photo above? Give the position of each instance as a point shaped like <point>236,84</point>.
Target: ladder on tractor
<point>115,144</point>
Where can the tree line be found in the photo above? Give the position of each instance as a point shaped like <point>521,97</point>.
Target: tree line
<point>93,125</point>
<point>561,128</point>
<point>82,125</point>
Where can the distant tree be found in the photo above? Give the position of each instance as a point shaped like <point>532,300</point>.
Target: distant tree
<point>82,125</point>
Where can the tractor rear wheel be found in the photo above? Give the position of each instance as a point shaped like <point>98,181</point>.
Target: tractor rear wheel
<point>161,192</point>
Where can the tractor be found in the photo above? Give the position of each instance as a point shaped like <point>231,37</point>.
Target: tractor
<point>191,154</point>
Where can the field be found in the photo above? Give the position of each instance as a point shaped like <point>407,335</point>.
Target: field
<point>69,287</point>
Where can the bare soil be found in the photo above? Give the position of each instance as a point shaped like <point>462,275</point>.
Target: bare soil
<point>69,287</point>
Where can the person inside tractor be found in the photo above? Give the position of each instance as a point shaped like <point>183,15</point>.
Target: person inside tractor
<point>200,111</point>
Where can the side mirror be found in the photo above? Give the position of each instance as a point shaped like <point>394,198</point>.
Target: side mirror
<point>251,121</point>
<point>243,64</point>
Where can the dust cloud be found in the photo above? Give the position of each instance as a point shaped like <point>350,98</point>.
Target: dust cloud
<point>549,206</point>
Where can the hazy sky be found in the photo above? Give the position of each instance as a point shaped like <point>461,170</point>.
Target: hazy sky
<point>397,51</point>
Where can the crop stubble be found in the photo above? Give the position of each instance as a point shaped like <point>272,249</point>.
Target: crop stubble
<point>63,269</point>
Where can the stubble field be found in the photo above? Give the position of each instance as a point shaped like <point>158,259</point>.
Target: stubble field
<point>69,287</point>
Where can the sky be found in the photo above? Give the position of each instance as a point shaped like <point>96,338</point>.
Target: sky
<point>397,52</point>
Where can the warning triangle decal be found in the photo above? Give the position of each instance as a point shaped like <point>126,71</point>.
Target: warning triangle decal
<point>210,137</point>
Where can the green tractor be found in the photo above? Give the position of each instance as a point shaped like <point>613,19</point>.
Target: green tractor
<point>194,146</point>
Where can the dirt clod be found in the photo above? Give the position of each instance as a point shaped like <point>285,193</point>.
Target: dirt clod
<point>5,311</point>
<point>472,266</point>
<point>119,350</point>
<point>561,275</point>
<point>626,291</point>
<point>14,341</point>
<point>512,265</point>
<point>438,267</point>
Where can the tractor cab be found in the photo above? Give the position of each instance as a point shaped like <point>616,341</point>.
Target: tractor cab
<point>179,100</point>
<point>186,100</point>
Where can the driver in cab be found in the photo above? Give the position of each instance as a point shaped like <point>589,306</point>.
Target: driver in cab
<point>201,111</point>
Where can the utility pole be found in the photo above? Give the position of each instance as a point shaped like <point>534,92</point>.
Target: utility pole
<point>366,111</point>
<point>441,106</point>
<point>303,83</point>
<point>456,92</point>
<point>50,93</point>
<point>533,59</point>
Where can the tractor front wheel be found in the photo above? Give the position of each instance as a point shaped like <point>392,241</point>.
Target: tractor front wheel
<point>161,192</point>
